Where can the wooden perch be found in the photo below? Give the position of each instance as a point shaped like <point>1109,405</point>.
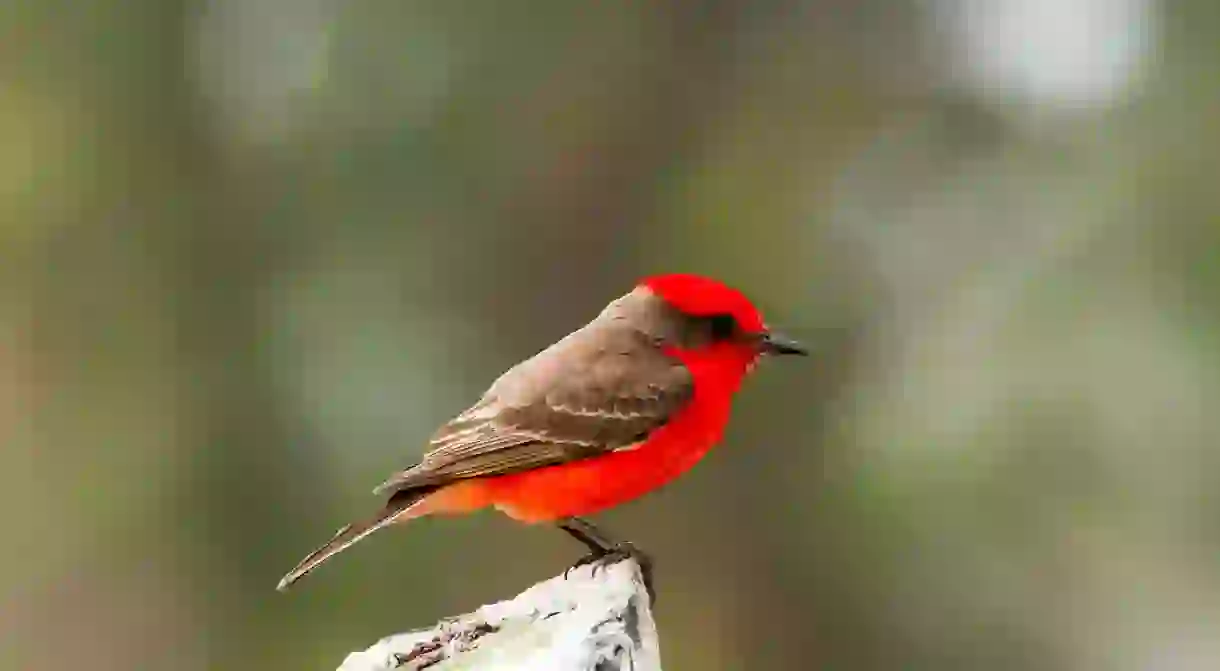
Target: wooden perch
<point>598,618</point>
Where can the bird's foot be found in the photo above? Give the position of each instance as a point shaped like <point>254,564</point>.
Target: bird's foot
<point>600,559</point>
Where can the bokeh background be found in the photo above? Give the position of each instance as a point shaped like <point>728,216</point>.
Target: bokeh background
<point>253,251</point>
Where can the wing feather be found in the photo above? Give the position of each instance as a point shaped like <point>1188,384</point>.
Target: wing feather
<point>598,390</point>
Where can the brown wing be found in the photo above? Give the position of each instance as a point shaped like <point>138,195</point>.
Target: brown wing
<point>603,388</point>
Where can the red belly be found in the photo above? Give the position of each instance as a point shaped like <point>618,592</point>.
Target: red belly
<point>591,485</point>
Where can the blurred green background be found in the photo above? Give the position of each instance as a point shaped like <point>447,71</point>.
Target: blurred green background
<point>253,251</point>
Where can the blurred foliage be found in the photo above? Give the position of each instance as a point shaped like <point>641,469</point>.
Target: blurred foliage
<point>253,251</point>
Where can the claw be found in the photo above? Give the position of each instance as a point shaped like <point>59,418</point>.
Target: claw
<point>605,551</point>
<point>620,551</point>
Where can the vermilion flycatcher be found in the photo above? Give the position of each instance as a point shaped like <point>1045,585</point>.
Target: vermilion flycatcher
<point>612,411</point>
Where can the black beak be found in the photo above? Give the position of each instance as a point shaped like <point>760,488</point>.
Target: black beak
<point>774,343</point>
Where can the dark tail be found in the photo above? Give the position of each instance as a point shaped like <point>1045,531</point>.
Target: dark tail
<point>351,534</point>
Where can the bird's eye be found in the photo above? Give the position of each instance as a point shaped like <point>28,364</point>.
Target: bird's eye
<point>722,326</point>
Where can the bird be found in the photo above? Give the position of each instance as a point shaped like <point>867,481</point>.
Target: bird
<point>614,410</point>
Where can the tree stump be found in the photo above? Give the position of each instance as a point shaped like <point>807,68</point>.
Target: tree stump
<point>597,618</point>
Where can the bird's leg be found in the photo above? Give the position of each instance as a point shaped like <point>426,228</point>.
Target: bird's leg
<point>586,532</point>
<point>604,550</point>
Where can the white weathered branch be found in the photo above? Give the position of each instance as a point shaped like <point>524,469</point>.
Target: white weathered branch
<point>596,619</point>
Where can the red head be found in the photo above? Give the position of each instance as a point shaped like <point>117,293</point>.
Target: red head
<point>700,296</point>
<point>733,319</point>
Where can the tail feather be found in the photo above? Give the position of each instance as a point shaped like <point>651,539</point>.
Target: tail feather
<point>350,535</point>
